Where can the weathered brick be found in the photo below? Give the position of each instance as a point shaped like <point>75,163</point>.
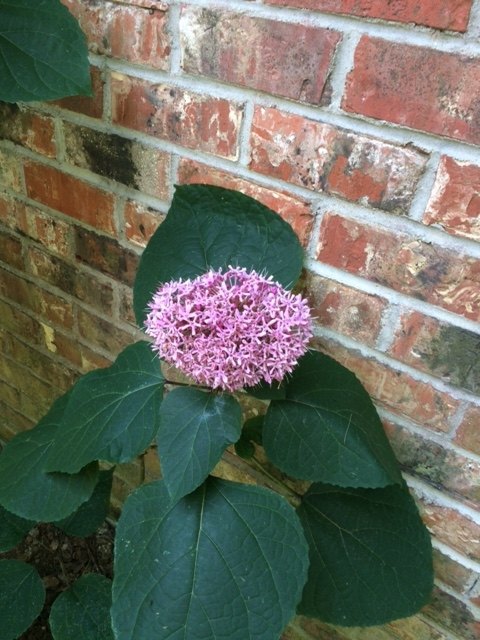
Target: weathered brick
<point>70,195</point>
<point>8,211</point>
<point>416,87</point>
<point>455,201</point>
<point>417,628</point>
<point>397,391</point>
<point>10,174</point>
<point>40,365</point>
<point>27,128</point>
<point>453,528</point>
<point>289,60</point>
<point>36,395</point>
<point>106,255</point>
<point>49,230</point>
<point>403,263</point>
<point>320,631</point>
<point>468,433</point>
<point>439,348</point>
<point>325,158</point>
<point>453,614</point>
<point>67,277</point>
<point>435,463</point>
<point>83,358</point>
<point>12,422</point>
<point>344,309</point>
<point>296,211</point>
<point>126,312</point>
<point>452,573</point>
<point>101,332</point>
<point>439,14</point>
<point>89,106</point>
<point>20,323</point>
<point>140,222</point>
<point>11,251</point>
<point>121,159</point>
<point>31,296</point>
<point>137,33</point>
<point>192,120</point>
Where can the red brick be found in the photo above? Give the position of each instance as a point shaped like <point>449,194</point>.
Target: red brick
<point>435,463</point>
<point>137,33</point>
<point>10,176</point>
<point>346,310</point>
<point>50,231</point>
<point>70,195</point>
<point>133,164</point>
<point>288,60</point>
<point>192,120</point>
<point>439,348</point>
<point>79,355</point>
<point>8,211</point>
<point>453,614</point>
<point>397,391</point>
<point>468,433</point>
<point>106,255</point>
<point>102,333</point>
<point>296,211</point>
<point>403,263</point>
<point>29,129</point>
<point>452,527</point>
<point>71,280</point>
<point>416,87</point>
<point>439,14</point>
<point>324,158</point>
<point>31,296</point>
<point>11,251</point>
<point>89,106</point>
<point>452,573</point>
<point>140,222</point>
<point>455,201</point>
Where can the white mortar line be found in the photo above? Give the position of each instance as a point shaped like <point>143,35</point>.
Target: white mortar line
<point>174,32</point>
<point>424,188</point>
<point>440,499</point>
<point>342,65</point>
<point>394,297</point>
<point>428,434</point>
<point>389,325</point>
<point>473,30</point>
<point>457,419</point>
<point>404,33</point>
<point>396,365</point>
<point>475,611</point>
<point>455,555</point>
<point>245,133</point>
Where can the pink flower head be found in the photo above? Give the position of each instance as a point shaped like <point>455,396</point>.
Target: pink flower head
<point>229,330</point>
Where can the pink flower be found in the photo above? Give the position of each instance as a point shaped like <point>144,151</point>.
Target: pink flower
<point>229,330</point>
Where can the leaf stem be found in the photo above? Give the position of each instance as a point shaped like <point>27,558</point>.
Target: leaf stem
<point>281,487</point>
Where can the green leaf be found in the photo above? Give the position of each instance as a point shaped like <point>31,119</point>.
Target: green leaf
<point>91,513</point>
<point>227,561</point>
<point>370,555</point>
<point>21,597</point>
<point>12,529</point>
<point>112,413</point>
<point>195,429</point>
<point>265,391</point>
<point>82,612</point>
<point>251,433</point>
<point>43,52</point>
<point>327,429</point>
<point>212,228</point>
<point>26,489</point>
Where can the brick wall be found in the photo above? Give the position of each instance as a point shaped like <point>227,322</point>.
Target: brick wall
<point>359,122</point>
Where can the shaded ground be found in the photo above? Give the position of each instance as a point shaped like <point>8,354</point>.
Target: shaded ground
<point>60,560</point>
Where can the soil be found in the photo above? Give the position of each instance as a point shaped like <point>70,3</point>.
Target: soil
<point>60,560</point>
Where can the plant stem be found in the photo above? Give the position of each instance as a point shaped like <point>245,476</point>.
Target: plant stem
<point>281,487</point>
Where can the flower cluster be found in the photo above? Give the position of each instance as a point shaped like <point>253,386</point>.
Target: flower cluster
<point>229,330</point>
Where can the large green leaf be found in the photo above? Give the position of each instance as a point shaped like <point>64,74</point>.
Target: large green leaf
<point>82,612</point>
<point>90,515</point>
<point>22,595</point>
<point>227,561</point>
<point>12,529</point>
<point>43,52</point>
<point>211,228</point>
<point>370,555</point>
<point>195,429</point>
<point>112,413</point>
<point>327,429</point>
<point>26,489</point>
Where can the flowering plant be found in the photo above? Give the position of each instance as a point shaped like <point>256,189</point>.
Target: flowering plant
<point>199,556</point>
